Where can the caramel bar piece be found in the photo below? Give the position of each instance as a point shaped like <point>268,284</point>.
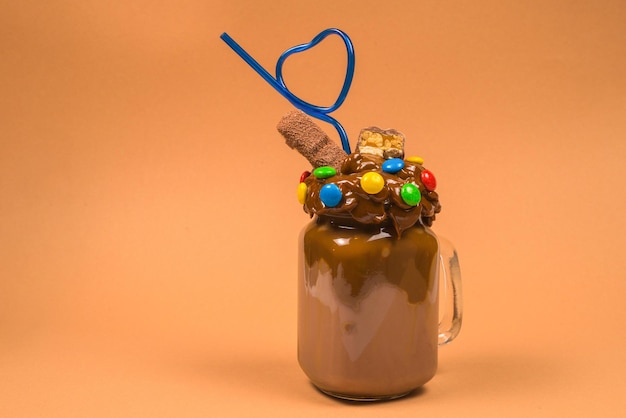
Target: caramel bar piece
<point>384,143</point>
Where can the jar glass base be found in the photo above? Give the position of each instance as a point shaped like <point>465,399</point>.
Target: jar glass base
<point>357,398</point>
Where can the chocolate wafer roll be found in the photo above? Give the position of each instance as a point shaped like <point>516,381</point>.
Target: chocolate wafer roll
<point>306,137</point>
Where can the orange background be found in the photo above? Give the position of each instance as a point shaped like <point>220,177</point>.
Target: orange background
<point>148,218</point>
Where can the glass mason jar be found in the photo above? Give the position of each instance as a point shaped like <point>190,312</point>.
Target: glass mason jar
<point>369,324</point>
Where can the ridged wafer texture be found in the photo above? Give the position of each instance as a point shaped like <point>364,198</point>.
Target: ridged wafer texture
<point>305,136</point>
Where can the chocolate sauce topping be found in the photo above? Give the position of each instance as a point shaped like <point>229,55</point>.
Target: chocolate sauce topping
<point>386,206</point>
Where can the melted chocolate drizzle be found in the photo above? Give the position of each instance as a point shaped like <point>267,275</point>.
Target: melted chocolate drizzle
<point>386,206</point>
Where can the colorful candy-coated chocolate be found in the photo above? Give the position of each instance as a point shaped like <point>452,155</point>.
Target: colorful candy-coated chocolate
<point>372,182</point>
<point>411,194</point>
<point>429,180</point>
<point>324,172</point>
<point>416,160</point>
<point>393,165</point>
<point>304,175</point>
<point>330,195</point>
<point>302,189</point>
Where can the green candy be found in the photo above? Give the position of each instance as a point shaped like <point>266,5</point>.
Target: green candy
<point>411,194</point>
<point>324,172</point>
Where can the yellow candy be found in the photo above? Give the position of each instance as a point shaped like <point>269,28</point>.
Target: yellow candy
<point>416,160</point>
<point>302,193</point>
<point>372,182</point>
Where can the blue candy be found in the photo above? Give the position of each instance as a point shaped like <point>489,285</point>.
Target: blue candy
<point>330,195</point>
<point>393,165</point>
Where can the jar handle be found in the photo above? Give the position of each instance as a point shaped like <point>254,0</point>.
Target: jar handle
<point>451,303</point>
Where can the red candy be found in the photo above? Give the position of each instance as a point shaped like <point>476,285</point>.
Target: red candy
<point>429,180</point>
<point>304,176</point>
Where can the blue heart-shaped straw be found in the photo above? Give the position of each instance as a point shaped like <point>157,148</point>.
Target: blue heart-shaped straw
<point>318,112</point>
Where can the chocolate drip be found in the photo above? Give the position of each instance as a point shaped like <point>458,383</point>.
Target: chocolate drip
<point>386,206</point>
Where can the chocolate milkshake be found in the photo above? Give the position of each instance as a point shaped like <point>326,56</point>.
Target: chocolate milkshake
<point>368,281</point>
